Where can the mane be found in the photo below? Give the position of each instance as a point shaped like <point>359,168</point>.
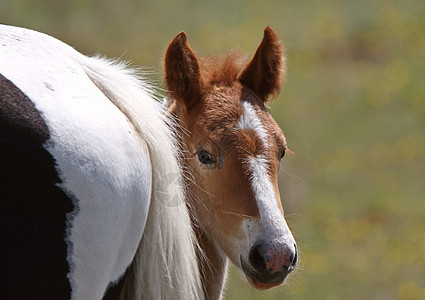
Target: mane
<point>223,69</point>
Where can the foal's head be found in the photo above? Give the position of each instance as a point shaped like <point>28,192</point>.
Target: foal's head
<point>233,148</point>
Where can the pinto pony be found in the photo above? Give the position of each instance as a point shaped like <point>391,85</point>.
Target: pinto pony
<point>106,196</point>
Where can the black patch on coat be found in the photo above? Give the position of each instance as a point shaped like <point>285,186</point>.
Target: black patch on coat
<point>33,208</point>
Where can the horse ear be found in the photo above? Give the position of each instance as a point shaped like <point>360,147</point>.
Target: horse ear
<point>182,72</point>
<point>265,72</point>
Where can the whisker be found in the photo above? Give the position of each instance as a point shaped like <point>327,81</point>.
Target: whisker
<point>293,216</point>
<point>236,214</point>
<point>292,175</point>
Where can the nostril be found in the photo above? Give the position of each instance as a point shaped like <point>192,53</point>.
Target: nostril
<point>257,259</point>
<point>294,258</point>
<point>292,261</point>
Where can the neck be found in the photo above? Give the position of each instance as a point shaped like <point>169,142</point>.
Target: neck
<point>212,266</point>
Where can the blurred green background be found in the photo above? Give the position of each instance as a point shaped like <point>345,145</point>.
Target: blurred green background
<point>353,110</point>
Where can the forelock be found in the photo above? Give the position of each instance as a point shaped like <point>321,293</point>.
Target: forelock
<point>223,69</point>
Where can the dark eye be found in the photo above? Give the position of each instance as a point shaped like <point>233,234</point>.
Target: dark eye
<point>283,152</point>
<point>205,158</point>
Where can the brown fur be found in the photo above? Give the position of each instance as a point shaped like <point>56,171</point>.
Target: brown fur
<point>222,70</point>
<point>266,71</point>
<point>182,71</point>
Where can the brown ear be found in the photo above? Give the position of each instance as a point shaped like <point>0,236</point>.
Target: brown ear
<point>182,73</point>
<point>265,72</point>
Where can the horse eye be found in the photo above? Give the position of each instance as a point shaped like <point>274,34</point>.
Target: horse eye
<point>205,158</point>
<point>283,153</point>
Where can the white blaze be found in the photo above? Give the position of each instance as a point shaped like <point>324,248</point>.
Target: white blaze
<point>249,120</point>
<point>271,225</point>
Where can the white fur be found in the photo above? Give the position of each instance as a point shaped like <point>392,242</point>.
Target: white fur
<point>272,224</point>
<point>114,154</point>
<point>249,120</point>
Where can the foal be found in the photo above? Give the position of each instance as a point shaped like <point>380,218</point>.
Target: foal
<point>232,149</point>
